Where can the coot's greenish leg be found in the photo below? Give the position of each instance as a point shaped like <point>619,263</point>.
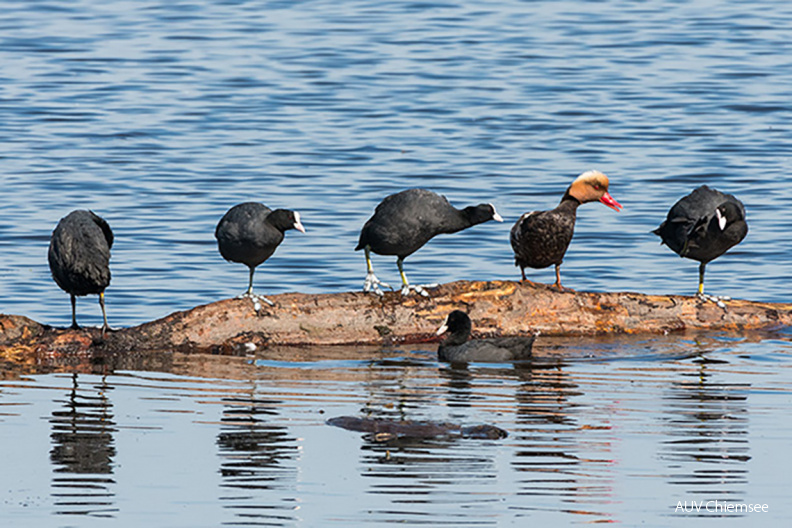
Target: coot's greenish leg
<point>372,282</point>
<point>407,287</point>
<point>249,233</point>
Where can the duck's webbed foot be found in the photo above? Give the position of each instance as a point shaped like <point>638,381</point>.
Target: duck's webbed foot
<point>372,283</point>
<point>420,289</point>
<point>719,300</point>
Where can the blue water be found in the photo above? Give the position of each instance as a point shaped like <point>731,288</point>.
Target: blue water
<point>162,115</point>
<point>159,116</point>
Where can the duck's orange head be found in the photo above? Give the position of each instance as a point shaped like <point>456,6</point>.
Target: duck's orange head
<point>592,186</point>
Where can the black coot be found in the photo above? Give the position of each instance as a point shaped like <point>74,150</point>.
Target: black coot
<point>249,233</point>
<point>457,349</point>
<point>702,226</point>
<point>403,222</point>
<point>541,238</point>
<point>79,258</point>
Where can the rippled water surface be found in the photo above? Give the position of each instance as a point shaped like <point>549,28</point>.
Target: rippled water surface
<point>161,115</point>
<point>609,431</point>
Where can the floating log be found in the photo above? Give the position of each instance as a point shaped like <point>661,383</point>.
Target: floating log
<point>497,308</point>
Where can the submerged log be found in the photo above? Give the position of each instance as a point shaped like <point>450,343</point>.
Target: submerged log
<point>384,430</point>
<point>497,308</point>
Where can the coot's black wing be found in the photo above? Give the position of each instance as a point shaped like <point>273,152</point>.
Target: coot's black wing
<point>403,222</point>
<point>241,220</point>
<point>105,227</point>
<point>520,347</point>
<point>79,253</point>
<point>498,350</point>
<point>692,228</point>
<point>243,234</point>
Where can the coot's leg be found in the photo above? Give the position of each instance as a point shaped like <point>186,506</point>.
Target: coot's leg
<point>249,292</point>
<point>105,326</point>
<point>74,325</point>
<point>252,296</point>
<point>701,279</point>
<point>407,287</point>
<point>717,299</point>
<point>372,282</point>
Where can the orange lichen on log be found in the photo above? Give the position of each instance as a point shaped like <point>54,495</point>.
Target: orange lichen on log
<point>355,318</point>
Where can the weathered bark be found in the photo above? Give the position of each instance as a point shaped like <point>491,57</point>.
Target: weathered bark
<point>496,308</point>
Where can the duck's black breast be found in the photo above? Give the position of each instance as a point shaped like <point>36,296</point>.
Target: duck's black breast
<point>244,235</point>
<point>407,220</point>
<point>704,224</point>
<point>540,239</point>
<point>496,350</point>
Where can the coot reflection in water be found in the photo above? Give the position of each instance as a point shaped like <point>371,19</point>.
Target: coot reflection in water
<point>83,449</point>
<point>707,450</point>
<point>257,460</point>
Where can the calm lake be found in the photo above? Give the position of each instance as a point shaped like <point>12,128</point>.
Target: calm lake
<point>160,116</point>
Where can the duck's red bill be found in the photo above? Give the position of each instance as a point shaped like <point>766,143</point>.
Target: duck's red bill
<point>608,200</point>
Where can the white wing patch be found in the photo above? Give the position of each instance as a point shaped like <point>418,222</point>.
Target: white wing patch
<point>721,219</point>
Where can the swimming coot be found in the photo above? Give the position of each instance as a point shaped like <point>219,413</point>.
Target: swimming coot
<point>403,222</point>
<point>702,226</point>
<point>79,258</point>
<point>541,238</point>
<point>457,349</point>
<point>249,233</point>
